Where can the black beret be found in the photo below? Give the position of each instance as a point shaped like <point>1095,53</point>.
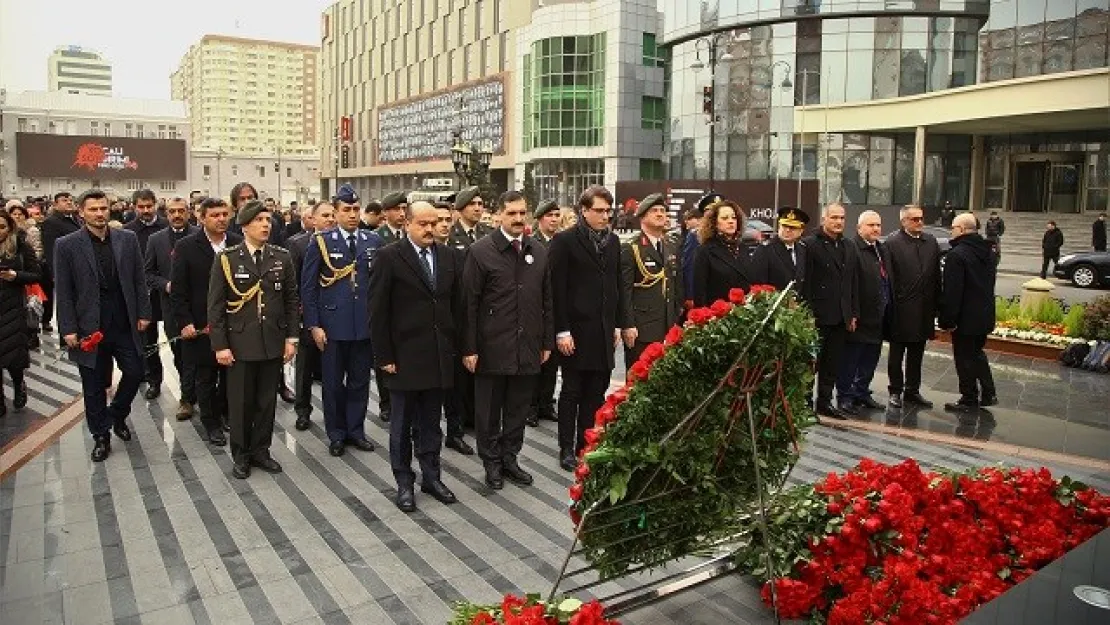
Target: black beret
<point>464,197</point>
<point>249,211</point>
<point>655,199</point>
<point>707,200</point>
<point>393,200</point>
<point>545,208</point>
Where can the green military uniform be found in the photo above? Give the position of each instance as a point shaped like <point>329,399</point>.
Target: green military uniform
<point>651,284</point>
<point>393,200</point>
<point>543,399</point>
<point>459,238</point>
<point>253,310</point>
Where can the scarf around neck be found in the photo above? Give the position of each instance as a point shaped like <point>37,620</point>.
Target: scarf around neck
<point>734,244</point>
<point>600,238</point>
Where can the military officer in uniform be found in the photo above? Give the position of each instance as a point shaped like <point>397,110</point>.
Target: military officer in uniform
<point>783,260</point>
<point>254,318</point>
<point>335,289</point>
<point>394,207</point>
<point>469,228</point>
<point>543,400</point>
<point>651,279</point>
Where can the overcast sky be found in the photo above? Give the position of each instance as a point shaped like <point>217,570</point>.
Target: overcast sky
<point>143,39</point>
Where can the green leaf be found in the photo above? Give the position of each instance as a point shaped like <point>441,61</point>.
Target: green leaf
<point>569,606</point>
<point>618,486</point>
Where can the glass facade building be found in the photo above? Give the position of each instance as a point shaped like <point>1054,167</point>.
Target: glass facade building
<point>564,92</point>
<point>775,55</point>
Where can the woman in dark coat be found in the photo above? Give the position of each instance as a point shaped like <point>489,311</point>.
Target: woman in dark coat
<point>722,261</point>
<point>18,268</point>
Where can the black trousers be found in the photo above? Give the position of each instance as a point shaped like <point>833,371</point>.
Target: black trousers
<point>152,364</point>
<point>211,389</point>
<point>383,393</point>
<point>632,354</point>
<point>464,394</point>
<point>451,414</point>
<point>501,412</point>
<point>833,339</point>
<point>414,426</point>
<point>912,354</point>
<point>543,399</point>
<point>251,403</point>
<point>186,372</point>
<point>857,369</point>
<point>972,368</point>
<point>99,414</point>
<point>47,285</point>
<point>582,394</point>
<point>306,365</point>
<point>1055,258</point>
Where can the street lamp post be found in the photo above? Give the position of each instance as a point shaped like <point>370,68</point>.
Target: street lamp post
<point>471,162</point>
<point>279,175</point>
<point>712,45</point>
<point>786,84</point>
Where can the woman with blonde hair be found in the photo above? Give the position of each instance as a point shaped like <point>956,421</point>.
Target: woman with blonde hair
<point>18,268</point>
<point>567,218</point>
<point>722,261</point>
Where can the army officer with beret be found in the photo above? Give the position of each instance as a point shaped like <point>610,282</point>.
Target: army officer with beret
<point>651,279</point>
<point>254,318</point>
<point>394,207</point>
<point>469,228</point>
<point>543,400</point>
<point>547,221</point>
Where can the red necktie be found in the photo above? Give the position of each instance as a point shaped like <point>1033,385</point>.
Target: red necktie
<point>516,246</point>
<point>882,267</point>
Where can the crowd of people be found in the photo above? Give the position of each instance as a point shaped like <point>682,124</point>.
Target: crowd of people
<point>459,311</point>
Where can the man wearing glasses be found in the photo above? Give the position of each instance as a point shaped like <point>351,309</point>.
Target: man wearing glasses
<point>914,268</point>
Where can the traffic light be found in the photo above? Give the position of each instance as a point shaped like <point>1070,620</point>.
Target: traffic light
<point>707,100</point>
<point>345,157</point>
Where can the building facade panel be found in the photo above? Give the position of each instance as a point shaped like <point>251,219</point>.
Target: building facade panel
<point>76,70</point>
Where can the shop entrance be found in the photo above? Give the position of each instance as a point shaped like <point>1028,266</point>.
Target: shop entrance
<point>1051,183</point>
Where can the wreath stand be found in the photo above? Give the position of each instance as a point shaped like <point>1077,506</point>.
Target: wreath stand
<point>742,380</point>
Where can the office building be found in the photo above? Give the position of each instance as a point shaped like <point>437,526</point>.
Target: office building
<point>247,96</point>
<point>77,70</point>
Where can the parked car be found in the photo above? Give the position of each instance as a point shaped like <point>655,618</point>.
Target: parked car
<point>1085,269</point>
<point>942,236</point>
<point>758,232</point>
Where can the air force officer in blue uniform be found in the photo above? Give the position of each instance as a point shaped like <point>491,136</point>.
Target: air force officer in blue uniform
<point>335,288</point>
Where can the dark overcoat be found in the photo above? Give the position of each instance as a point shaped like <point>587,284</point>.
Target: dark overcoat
<point>13,310</point>
<point>191,271</point>
<point>831,285</point>
<point>717,271</point>
<point>914,265</point>
<point>159,271</point>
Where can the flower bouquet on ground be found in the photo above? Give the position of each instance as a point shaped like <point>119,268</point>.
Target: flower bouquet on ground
<point>898,545</point>
<point>530,610</point>
<point>669,463</point>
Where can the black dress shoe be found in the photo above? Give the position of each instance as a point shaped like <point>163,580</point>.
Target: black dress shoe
<point>493,477</point>
<point>19,397</point>
<point>152,392</point>
<point>548,414</point>
<point>458,444</point>
<point>828,410</point>
<point>439,491</point>
<point>960,407</point>
<point>121,430</point>
<point>989,400</point>
<point>287,394</point>
<point>895,401</point>
<point>869,402</point>
<point>361,444</point>
<point>101,448</point>
<point>917,400</point>
<point>266,463</point>
<point>516,475</point>
<point>568,462</point>
<point>406,499</point>
<point>241,470</point>
<point>533,420</point>
<point>217,437</point>
<point>337,448</point>
<point>302,424</point>
<point>848,409</point>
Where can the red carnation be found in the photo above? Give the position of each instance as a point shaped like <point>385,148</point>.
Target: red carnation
<point>617,397</point>
<point>483,618</point>
<point>721,308</point>
<point>593,436</point>
<point>674,336</point>
<point>638,371</point>
<point>575,492</point>
<point>605,415</point>
<point>575,516</point>
<point>736,296</point>
<point>700,316</point>
<point>652,353</point>
<point>90,342</point>
<point>581,471</point>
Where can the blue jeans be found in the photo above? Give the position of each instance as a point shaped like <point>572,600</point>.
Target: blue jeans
<point>857,369</point>
<point>98,414</point>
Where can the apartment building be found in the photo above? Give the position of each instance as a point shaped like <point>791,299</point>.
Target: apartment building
<point>73,69</point>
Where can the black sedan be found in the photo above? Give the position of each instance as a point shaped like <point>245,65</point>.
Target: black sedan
<point>1085,269</point>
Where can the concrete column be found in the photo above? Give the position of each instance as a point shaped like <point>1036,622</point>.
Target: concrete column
<point>978,169</point>
<point>919,166</point>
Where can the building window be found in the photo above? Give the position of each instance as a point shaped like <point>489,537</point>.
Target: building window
<point>134,185</point>
<point>651,169</point>
<point>168,185</point>
<point>288,172</point>
<point>207,170</point>
<point>21,124</point>
<point>94,129</point>
<point>234,170</point>
<point>173,132</point>
<point>139,130</point>
<point>653,113</point>
<point>653,55</point>
<point>51,128</point>
<point>161,131</point>
<point>128,130</point>
<point>564,92</point>
<point>107,129</point>
<point>261,171</point>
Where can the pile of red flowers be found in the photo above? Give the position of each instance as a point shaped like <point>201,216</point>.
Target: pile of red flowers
<point>90,342</point>
<point>529,610</point>
<point>913,547</point>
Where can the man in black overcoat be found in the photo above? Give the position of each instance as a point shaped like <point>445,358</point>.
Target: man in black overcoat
<point>865,345</point>
<point>147,221</point>
<point>783,259</point>
<point>306,365</point>
<point>62,220</point>
<point>589,315</point>
<point>192,267</point>
<point>415,299</point>
<point>967,311</point>
<point>832,294</point>
<point>159,277</point>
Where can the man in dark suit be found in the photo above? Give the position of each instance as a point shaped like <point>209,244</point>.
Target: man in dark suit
<point>543,400</point>
<point>159,277</point>
<point>508,334</point>
<point>394,208</point>
<point>865,344</point>
<point>783,260</point>
<point>967,311</point>
<point>254,315</point>
<point>469,228</point>
<point>147,221</point>
<point>371,216</point>
<point>589,313</point>
<point>832,293</point>
<point>306,366</point>
<point>193,257</point>
<point>302,220</point>
<point>415,298</point>
<point>451,410</point>
<point>63,219</point>
<point>335,288</point>
<point>101,288</point>
<point>651,279</point>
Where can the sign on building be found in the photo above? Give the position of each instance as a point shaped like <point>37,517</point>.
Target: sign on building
<point>99,158</point>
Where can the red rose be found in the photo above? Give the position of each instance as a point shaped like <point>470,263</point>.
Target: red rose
<point>590,614</point>
<point>605,415</point>
<point>674,336</point>
<point>736,296</point>
<point>617,397</point>
<point>575,492</point>
<point>511,603</point>
<point>581,471</point>
<point>593,435</point>
<point>652,353</point>
<point>483,618</point>
<point>700,316</point>
<point>834,508</point>
<point>873,524</point>
<point>721,308</point>
<point>90,342</point>
<point>639,371</point>
<point>575,517</point>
